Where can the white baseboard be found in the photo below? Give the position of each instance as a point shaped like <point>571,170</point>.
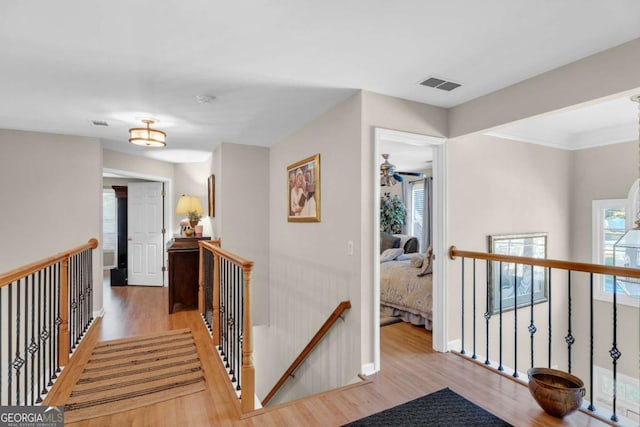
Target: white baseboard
<point>98,313</point>
<point>454,345</point>
<point>368,369</point>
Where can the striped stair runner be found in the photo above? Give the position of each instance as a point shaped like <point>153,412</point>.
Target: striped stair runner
<point>129,373</point>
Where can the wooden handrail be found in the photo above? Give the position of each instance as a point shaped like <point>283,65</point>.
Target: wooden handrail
<point>551,263</point>
<point>24,271</point>
<point>341,308</point>
<point>211,246</point>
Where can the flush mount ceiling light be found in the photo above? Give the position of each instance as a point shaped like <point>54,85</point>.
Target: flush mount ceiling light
<point>147,137</point>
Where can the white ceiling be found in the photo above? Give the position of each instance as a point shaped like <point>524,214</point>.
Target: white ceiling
<point>607,122</point>
<point>273,66</point>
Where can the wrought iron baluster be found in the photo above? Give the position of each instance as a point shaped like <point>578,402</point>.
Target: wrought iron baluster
<point>240,323</point>
<point>549,311</point>
<point>591,405</point>
<point>10,340</point>
<point>232,334</point>
<point>500,367</point>
<point>33,345</point>
<point>569,339</point>
<point>462,292</point>
<point>532,326</point>
<point>515,319</point>
<point>474,356</point>
<point>487,316</point>
<point>615,352</point>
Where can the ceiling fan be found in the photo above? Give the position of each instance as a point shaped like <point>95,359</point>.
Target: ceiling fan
<point>390,176</point>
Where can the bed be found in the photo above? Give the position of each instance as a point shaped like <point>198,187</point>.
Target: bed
<point>406,290</point>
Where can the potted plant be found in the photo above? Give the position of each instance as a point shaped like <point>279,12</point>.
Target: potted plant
<point>392,214</point>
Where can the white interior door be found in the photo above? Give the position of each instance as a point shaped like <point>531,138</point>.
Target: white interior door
<point>144,217</point>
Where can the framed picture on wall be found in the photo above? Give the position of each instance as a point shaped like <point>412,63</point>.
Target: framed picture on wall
<point>212,195</point>
<point>517,284</point>
<point>303,190</point>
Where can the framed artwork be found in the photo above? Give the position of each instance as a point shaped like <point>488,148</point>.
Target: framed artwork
<point>517,283</point>
<point>212,195</point>
<point>303,190</point>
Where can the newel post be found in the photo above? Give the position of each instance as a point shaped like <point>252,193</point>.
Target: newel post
<point>201,281</point>
<point>248,370</point>
<point>63,337</point>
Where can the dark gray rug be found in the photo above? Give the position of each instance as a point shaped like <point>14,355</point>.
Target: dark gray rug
<point>443,408</point>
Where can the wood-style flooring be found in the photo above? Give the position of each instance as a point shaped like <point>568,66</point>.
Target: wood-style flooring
<point>410,369</point>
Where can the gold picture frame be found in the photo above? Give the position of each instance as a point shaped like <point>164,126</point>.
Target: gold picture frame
<point>211,184</point>
<point>303,190</point>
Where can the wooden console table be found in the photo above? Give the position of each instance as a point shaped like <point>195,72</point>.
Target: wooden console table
<point>184,257</point>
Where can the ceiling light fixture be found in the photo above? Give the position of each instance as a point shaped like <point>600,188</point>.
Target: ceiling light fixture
<point>205,99</point>
<point>627,248</point>
<point>147,137</point>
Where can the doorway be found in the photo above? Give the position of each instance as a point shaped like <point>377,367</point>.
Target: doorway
<point>438,147</point>
<point>146,221</point>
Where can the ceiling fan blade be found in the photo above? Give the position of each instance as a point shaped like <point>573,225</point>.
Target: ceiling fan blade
<point>418,174</point>
<point>397,177</point>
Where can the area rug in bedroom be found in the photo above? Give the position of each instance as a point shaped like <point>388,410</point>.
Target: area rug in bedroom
<point>133,372</point>
<point>443,408</point>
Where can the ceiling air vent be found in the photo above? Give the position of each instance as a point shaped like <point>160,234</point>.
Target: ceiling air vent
<point>441,84</point>
<point>99,123</point>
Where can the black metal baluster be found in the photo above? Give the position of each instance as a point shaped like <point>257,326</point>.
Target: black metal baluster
<point>18,361</point>
<point>487,316</point>
<point>234,312</point>
<point>41,307</point>
<point>500,367</point>
<point>591,405</point>
<point>615,352</point>
<point>462,292</point>
<point>10,340</point>
<point>532,326</point>
<point>515,319</point>
<point>240,323</point>
<point>474,356</point>
<point>221,300</point>
<point>33,345</point>
<point>549,315</point>
<point>2,340</point>
<point>58,319</point>
<point>569,339</point>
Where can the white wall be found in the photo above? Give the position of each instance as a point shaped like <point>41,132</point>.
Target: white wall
<point>602,173</point>
<point>192,178</point>
<point>498,186</point>
<point>242,215</point>
<point>310,271</point>
<point>51,192</point>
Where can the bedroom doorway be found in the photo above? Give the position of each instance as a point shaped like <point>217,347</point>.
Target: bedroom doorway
<point>430,152</point>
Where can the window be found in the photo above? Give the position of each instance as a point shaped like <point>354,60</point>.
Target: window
<point>610,221</point>
<point>417,210</point>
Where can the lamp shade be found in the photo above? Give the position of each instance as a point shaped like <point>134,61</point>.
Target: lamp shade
<point>188,204</point>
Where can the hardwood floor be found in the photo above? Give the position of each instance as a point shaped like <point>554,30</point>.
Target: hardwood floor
<point>410,369</point>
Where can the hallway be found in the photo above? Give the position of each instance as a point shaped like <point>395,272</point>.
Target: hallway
<point>409,370</point>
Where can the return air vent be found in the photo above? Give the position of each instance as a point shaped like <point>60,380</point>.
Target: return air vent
<point>99,123</point>
<point>441,84</point>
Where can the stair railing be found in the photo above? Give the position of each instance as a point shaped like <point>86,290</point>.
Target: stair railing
<point>224,300</point>
<point>496,330</point>
<point>331,320</point>
<point>46,308</point>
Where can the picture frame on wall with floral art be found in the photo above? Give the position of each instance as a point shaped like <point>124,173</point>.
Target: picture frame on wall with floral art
<point>303,190</point>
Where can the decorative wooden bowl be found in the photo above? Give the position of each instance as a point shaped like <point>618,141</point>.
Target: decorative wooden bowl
<point>557,392</point>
